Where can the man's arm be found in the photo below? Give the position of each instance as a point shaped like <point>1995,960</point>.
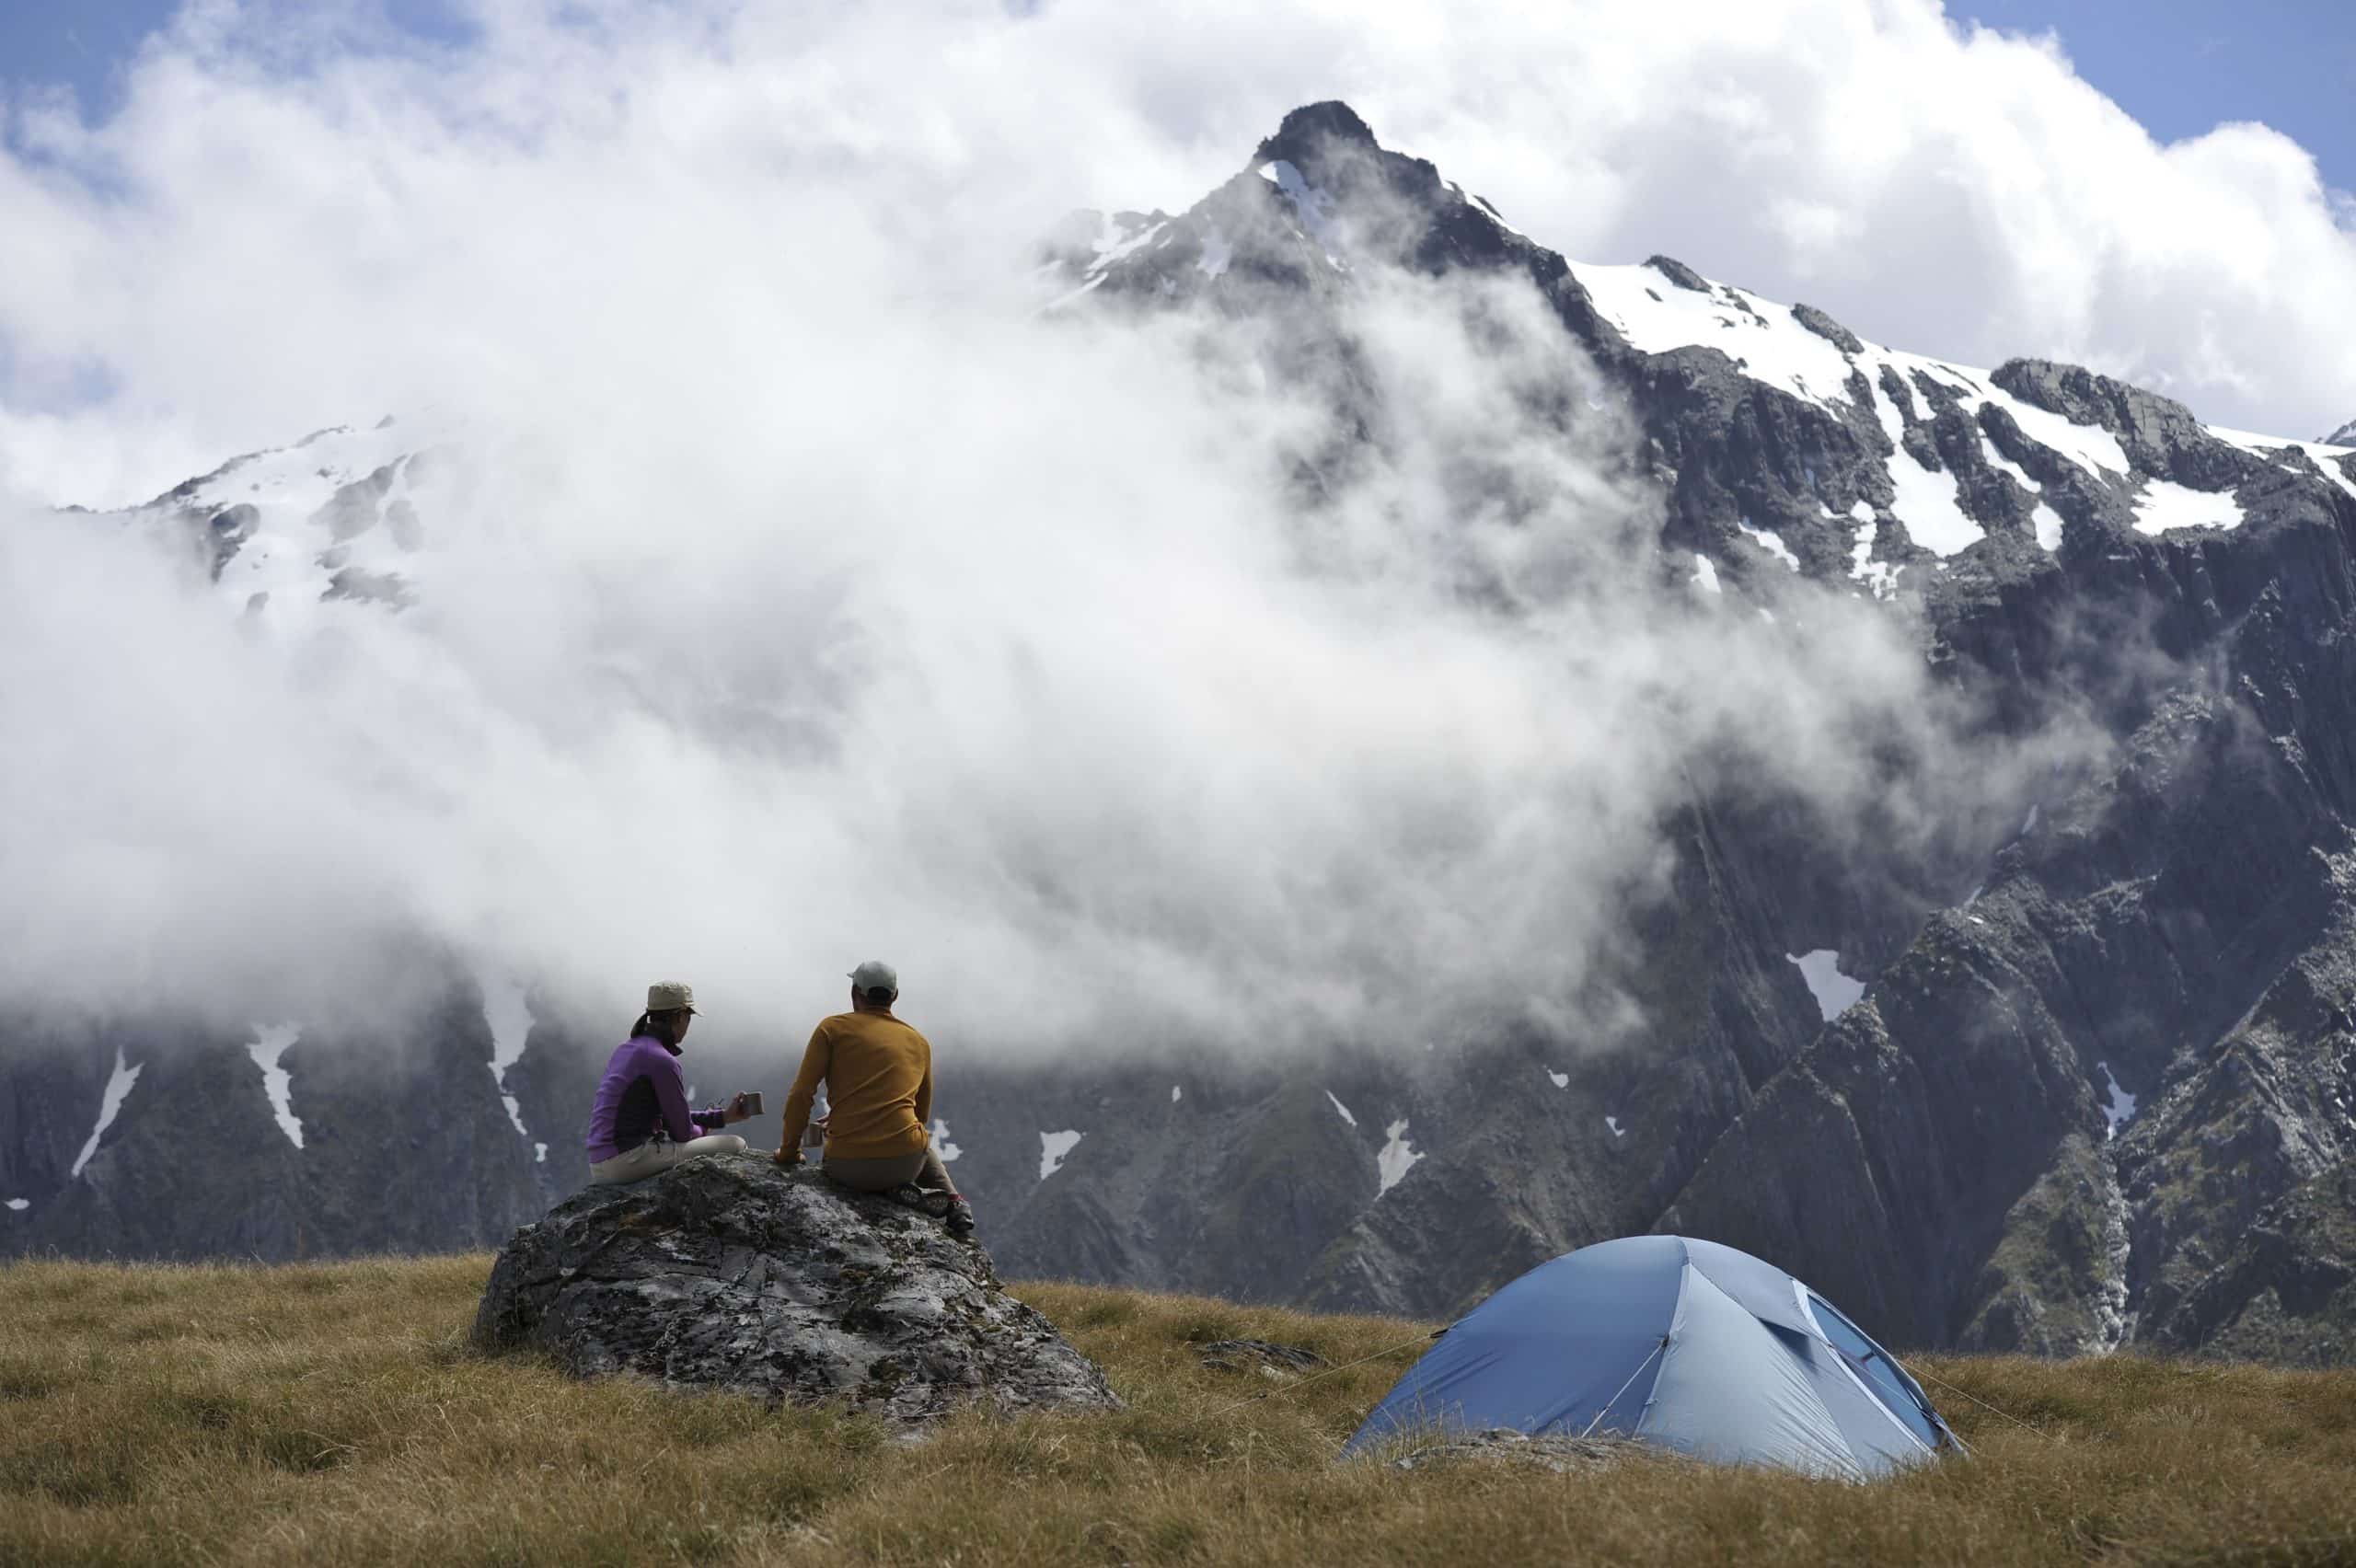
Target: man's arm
<point>815,1060</point>
<point>924,1093</point>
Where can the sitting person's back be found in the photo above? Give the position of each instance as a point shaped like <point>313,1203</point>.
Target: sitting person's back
<point>878,1073</point>
<point>878,1084</point>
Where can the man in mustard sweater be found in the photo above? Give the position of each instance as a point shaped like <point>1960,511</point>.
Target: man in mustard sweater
<point>878,1074</point>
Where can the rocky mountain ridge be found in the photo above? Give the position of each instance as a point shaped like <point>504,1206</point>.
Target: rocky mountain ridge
<point>2068,1085</point>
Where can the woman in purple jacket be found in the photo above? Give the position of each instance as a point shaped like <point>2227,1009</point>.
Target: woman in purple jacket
<point>640,1125</point>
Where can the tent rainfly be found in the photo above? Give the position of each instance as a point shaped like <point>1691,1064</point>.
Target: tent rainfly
<point>1689,1345</point>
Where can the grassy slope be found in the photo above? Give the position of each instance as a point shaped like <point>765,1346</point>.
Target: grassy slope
<point>334,1414</point>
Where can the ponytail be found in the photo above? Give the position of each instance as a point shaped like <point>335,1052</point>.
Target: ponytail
<point>662,1026</point>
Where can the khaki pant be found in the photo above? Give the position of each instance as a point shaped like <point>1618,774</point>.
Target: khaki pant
<point>653,1158</point>
<point>923,1168</point>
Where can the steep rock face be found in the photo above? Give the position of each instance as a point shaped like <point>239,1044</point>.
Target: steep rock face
<point>405,1147</point>
<point>2180,927</point>
<point>55,1081</point>
<point>730,1272</point>
<point>2286,1291</point>
<point>193,1167</point>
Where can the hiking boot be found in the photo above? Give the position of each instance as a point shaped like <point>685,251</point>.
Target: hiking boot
<point>960,1217</point>
<point>925,1202</point>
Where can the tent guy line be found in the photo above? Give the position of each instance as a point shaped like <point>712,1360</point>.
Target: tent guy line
<point>1983,1404</point>
<point>1605,1409</point>
<point>1296,1387</point>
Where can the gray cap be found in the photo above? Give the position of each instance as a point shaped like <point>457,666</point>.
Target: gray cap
<point>876,976</point>
<point>670,995</point>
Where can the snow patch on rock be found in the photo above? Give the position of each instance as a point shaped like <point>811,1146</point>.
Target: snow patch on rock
<point>2004,465</point>
<point>1116,239</point>
<point>1930,504</point>
<point>2048,523</point>
<point>1314,206</point>
<point>2118,1109</point>
<point>510,1018</point>
<point>109,1107</point>
<point>1344,1110</point>
<point>1217,254</point>
<point>1771,542</point>
<point>1655,316</point>
<point>943,1145</point>
<point>269,1044</point>
<point>1054,1148</point>
<point>1881,576</point>
<point>1834,992</point>
<point>1398,1157</point>
<point>2165,504</point>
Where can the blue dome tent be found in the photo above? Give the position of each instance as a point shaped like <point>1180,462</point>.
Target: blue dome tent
<point>1689,1345</point>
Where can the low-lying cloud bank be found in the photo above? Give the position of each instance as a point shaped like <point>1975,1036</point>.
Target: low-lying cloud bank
<point>1038,681</point>
<point>804,595</point>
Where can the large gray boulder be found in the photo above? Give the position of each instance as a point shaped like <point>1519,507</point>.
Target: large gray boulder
<point>730,1272</point>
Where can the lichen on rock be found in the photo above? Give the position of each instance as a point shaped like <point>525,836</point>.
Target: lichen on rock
<point>730,1272</point>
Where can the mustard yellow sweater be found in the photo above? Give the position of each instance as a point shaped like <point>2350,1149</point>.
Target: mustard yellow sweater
<point>878,1074</point>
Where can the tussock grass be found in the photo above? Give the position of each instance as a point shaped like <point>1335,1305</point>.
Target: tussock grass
<point>334,1414</point>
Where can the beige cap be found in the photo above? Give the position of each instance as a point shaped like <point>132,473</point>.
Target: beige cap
<point>670,995</point>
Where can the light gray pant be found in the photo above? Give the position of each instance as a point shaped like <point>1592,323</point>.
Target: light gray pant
<point>653,1158</point>
<point>923,1168</point>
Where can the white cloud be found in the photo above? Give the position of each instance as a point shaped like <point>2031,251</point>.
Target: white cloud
<point>808,598</point>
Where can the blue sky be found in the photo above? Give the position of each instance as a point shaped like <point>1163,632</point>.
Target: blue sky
<point>84,44</point>
<point>2180,66</point>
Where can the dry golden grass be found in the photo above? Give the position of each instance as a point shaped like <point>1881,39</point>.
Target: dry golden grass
<point>333,1414</point>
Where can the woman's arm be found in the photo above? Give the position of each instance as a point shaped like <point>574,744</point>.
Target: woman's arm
<point>671,1100</point>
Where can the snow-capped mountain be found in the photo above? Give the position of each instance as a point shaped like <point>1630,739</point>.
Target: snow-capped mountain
<point>2080,1081</point>
<point>1948,458</point>
<point>2344,436</point>
<point>337,515</point>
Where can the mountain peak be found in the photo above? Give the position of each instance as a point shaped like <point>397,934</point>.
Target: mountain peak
<point>1305,133</point>
<point>2344,436</point>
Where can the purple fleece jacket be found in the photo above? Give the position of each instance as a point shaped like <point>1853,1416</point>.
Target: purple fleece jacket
<point>641,1091</point>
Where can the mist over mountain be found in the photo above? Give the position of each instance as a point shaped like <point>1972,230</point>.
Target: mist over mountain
<point>1398,753</point>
